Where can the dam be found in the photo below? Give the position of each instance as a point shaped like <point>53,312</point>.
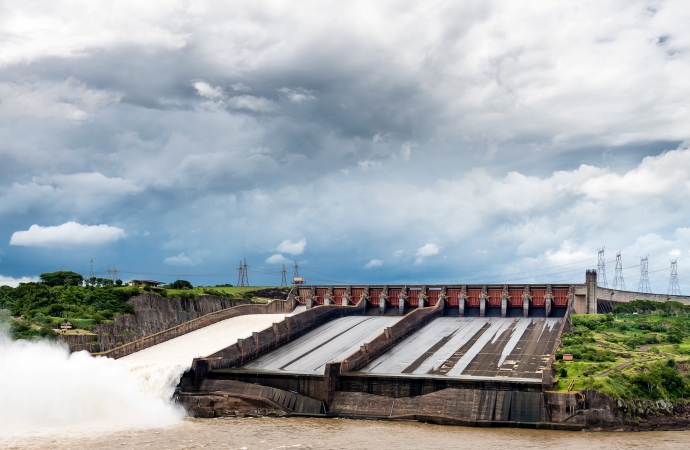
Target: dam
<point>476,355</point>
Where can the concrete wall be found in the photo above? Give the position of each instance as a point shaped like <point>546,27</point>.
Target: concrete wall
<point>264,341</point>
<point>628,296</point>
<point>391,336</point>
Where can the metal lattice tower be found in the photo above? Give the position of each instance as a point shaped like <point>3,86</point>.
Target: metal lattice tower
<point>246,274</point>
<point>283,281</point>
<point>240,275</point>
<point>618,279</point>
<point>673,285</point>
<point>296,269</point>
<point>644,286</point>
<point>110,273</point>
<point>601,269</point>
<point>91,275</point>
<point>114,273</point>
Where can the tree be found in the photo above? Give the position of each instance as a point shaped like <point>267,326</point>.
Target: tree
<point>181,284</point>
<point>61,278</point>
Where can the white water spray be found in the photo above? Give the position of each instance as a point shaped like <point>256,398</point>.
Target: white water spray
<point>45,389</point>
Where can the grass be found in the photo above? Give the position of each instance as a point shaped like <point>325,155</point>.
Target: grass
<point>628,356</point>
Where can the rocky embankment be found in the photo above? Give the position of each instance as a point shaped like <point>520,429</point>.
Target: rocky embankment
<point>604,413</point>
<point>152,314</point>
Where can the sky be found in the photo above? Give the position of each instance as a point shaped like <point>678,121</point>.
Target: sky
<point>372,142</point>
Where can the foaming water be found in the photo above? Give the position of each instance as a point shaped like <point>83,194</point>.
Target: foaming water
<point>45,390</point>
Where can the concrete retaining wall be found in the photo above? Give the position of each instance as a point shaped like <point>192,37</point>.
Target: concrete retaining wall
<point>628,296</point>
<point>412,322</point>
<point>264,341</point>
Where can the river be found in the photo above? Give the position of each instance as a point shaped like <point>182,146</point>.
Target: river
<point>296,433</point>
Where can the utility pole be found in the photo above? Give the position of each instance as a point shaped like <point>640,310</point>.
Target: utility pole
<point>618,280</point>
<point>601,269</point>
<point>644,286</point>
<point>246,274</point>
<point>283,281</point>
<point>673,285</point>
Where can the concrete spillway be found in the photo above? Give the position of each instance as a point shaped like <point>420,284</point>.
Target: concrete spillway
<point>206,341</point>
<point>472,347</point>
<point>333,341</point>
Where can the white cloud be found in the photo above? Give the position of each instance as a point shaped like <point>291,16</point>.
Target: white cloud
<point>293,248</point>
<point>179,260</point>
<point>368,164</point>
<point>428,250</point>
<point>406,150</point>
<point>277,259</point>
<point>70,100</point>
<point>297,95</point>
<point>14,282</point>
<point>425,251</point>
<point>240,87</point>
<point>65,235</point>
<point>373,263</point>
<point>251,103</point>
<point>205,90</point>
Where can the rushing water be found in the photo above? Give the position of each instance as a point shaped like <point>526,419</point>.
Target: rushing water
<point>295,433</point>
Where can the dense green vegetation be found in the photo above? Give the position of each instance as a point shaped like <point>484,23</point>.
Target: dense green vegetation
<point>641,351</point>
<point>35,309</point>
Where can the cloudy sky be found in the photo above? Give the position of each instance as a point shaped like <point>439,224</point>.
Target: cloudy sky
<point>496,141</point>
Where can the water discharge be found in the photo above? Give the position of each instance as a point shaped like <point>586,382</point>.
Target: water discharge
<point>46,390</point>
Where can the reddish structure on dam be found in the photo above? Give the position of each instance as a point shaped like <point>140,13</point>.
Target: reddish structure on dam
<point>460,354</point>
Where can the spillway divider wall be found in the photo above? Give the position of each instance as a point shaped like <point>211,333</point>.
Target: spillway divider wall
<point>410,323</point>
<point>274,307</point>
<point>264,341</point>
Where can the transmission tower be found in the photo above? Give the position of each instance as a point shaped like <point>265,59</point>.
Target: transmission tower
<point>296,269</point>
<point>110,273</point>
<point>618,280</point>
<point>283,281</point>
<point>114,273</point>
<point>240,275</point>
<point>601,269</point>
<point>91,275</point>
<point>246,274</point>
<point>673,285</point>
<point>644,286</point>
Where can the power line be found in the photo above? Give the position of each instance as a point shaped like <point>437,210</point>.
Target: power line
<point>601,269</point>
<point>618,279</point>
<point>644,286</point>
<point>673,286</point>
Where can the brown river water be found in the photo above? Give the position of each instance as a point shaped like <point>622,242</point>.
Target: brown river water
<point>298,433</point>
